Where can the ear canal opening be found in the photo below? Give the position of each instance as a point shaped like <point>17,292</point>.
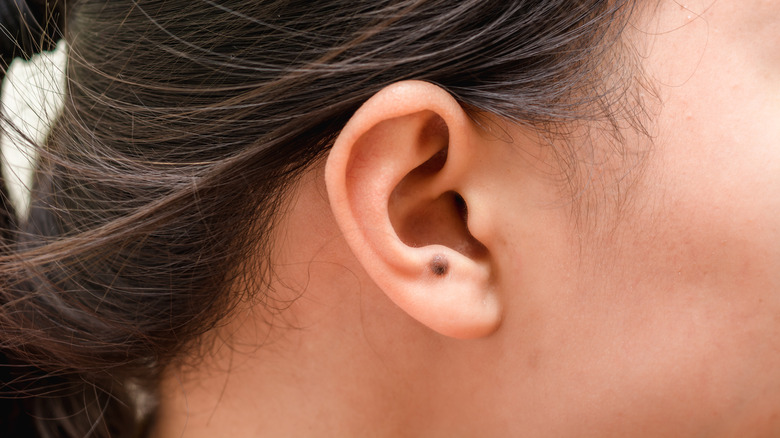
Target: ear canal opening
<point>440,221</point>
<point>421,220</point>
<point>463,209</point>
<point>468,244</point>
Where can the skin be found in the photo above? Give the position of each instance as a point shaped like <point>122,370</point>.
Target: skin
<point>658,315</point>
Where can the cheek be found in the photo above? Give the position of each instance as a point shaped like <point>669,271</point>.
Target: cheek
<point>714,189</point>
<point>671,321</point>
<point>669,324</point>
<point>683,299</point>
<point>675,332</point>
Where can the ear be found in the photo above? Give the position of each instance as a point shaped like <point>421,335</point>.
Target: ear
<point>398,180</point>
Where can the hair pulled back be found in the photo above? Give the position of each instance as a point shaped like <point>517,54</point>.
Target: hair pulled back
<point>185,123</point>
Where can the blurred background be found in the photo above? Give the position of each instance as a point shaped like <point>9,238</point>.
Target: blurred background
<point>32,96</point>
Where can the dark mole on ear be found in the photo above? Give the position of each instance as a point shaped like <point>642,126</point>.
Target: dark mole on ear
<point>439,265</point>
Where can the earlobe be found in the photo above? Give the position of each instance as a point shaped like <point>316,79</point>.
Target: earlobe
<point>394,177</point>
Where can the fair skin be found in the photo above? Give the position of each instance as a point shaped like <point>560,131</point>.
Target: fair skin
<point>658,317</point>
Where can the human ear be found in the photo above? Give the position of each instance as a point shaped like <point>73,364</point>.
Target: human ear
<point>398,179</point>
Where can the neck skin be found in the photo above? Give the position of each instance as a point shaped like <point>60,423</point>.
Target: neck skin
<point>322,368</point>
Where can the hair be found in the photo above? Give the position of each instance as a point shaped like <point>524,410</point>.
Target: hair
<point>185,125</point>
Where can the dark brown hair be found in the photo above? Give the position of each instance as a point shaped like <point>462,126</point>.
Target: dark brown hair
<point>185,123</point>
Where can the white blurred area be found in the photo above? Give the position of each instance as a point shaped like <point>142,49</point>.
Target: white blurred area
<point>32,96</point>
